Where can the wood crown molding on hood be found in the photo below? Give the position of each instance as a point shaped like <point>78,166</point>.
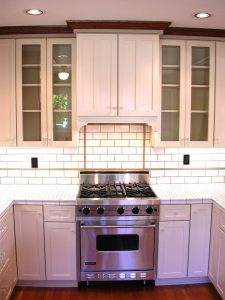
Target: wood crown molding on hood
<point>128,25</point>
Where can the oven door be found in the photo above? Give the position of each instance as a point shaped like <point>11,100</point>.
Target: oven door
<point>117,246</point>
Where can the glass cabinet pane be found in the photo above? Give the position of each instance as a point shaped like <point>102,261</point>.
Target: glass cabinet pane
<point>170,55</point>
<point>170,93</point>
<point>200,93</point>
<point>199,127</point>
<point>31,126</point>
<point>31,92</point>
<point>170,98</point>
<point>31,54</point>
<point>62,92</point>
<point>170,126</point>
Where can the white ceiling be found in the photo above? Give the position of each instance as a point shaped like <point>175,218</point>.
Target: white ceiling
<point>179,12</point>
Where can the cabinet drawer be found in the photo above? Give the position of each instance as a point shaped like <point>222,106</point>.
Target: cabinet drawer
<point>59,213</point>
<point>6,222</point>
<point>222,221</point>
<point>174,212</point>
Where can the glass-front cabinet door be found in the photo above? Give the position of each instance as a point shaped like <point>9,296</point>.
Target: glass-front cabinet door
<point>31,92</point>
<point>172,92</point>
<point>200,93</point>
<point>60,92</point>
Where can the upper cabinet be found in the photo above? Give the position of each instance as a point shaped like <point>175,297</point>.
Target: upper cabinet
<point>61,108</point>
<point>117,75</point>
<point>96,74</point>
<point>138,75</point>
<point>31,92</point>
<point>187,93</point>
<point>45,118</point>
<point>219,135</point>
<point>7,87</point>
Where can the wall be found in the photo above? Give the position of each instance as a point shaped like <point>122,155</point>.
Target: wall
<point>112,146</point>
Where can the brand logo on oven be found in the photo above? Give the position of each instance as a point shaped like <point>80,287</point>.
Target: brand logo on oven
<point>90,263</point>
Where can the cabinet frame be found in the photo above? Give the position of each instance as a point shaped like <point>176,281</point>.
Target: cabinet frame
<point>50,43</point>
<point>19,87</point>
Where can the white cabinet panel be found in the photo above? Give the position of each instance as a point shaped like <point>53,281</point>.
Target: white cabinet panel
<point>220,284</point>
<point>138,75</point>
<point>60,249</point>
<point>59,213</point>
<point>219,133</point>
<point>30,242</point>
<point>96,74</point>
<point>214,246</point>
<point>174,212</point>
<point>7,87</point>
<point>173,249</point>
<point>199,240</point>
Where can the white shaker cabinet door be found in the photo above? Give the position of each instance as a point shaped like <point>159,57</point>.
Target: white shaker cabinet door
<point>138,75</point>
<point>220,284</point>
<point>30,242</point>
<point>96,74</point>
<point>213,259</point>
<point>199,240</point>
<point>173,249</point>
<point>60,249</point>
<point>7,87</point>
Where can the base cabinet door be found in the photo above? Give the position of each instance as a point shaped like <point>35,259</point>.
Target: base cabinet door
<point>30,242</point>
<point>60,250</point>
<point>220,283</point>
<point>199,240</point>
<point>173,249</point>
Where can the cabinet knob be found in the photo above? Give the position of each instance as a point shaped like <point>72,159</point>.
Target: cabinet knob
<point>120,107</point>
<point>114,107</point>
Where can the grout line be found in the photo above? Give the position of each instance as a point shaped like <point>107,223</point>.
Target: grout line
<point>85,146</point>
<point>144,144</point>
<point>105,169</point>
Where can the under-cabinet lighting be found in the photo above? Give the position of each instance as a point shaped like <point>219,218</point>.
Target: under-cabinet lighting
<point>34,12</point>
<point>202,15</point>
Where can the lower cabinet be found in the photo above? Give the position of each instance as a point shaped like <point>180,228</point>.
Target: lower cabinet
<point>8,269</point>
<point>184,237</point>
<point>173,249</point>
<point>217,251</point>
<point>45,242</point>
<point>60,242</point>
<point>29,242</point>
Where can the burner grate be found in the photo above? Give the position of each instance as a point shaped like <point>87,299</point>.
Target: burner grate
<point>138,190</point>
<point>93,191</point>
<point>116,190</point>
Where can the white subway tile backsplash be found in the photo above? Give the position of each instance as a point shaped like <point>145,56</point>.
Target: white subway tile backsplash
<point>111,146</point>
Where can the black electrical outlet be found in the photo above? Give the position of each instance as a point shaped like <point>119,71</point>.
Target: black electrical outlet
<point>34,162</point>
<point>186,159</point>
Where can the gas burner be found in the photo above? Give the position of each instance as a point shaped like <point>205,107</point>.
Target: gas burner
<point>93,191</point>
<point>138,190</point>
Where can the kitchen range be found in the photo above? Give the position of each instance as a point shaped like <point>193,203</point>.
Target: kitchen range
<point>117,221</point>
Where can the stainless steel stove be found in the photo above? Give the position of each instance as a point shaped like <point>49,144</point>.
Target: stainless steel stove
<point>117,219</point>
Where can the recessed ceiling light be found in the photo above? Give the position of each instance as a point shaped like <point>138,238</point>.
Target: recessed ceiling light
<point>34,12</point>
<point>202,15</point>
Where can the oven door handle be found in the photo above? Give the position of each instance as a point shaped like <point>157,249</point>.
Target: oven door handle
<point>117,226</point>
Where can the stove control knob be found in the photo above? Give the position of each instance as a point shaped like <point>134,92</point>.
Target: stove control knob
<point>86,210</point>
<point>135,210</point>
<point>149,210</point>
<point>120,210</point>
<point>100,210</point>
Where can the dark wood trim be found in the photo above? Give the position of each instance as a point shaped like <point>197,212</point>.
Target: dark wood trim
<point>7,30</point>
<point>104,24</point>
<point>205,32</point>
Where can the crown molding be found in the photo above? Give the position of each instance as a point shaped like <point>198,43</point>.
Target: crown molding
<point>117,25</point>
<point>14,30</point>
<point>204,32</point>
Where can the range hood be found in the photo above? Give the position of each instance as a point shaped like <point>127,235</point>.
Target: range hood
<point>154,122</point>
